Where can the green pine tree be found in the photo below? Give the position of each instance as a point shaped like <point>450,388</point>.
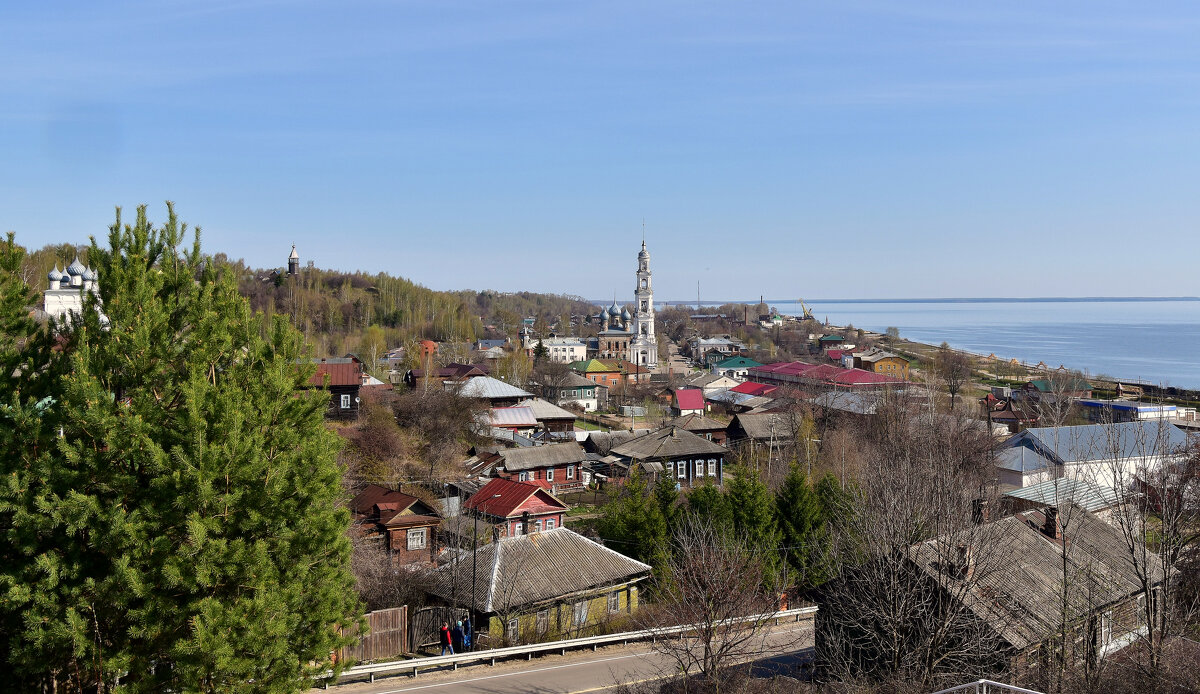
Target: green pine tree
<point>667,497</point>
<point>185,533</point>
<point>802,524</point>
<point>753,510</point>
<point>633,522</point>
<point>707,502</point>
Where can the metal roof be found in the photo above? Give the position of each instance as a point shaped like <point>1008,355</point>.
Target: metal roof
<point>1072,444</point>
<point>488,388</point>
<point>1022,459</point>
<point>503,498</point>
<point>689,399</point>
<point>513,417</point>
<point>534,568</point>
<point>1090,497</point>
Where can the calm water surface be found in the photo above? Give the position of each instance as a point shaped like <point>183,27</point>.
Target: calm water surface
<point>1157,340</point>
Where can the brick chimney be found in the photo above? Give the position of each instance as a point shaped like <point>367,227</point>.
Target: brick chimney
<point>1051,527</point>
<point>979,511</point>
<point>965,562</point>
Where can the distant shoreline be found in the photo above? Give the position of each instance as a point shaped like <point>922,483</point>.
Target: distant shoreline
<point>961,300</point>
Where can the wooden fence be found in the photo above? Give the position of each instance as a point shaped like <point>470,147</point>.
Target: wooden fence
<point>386,637</point>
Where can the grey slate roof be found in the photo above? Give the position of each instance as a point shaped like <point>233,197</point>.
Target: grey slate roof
<point>696,422</point>
<point>543,409</point>
<point>1100,441</point>
<point>603,442</point>
<point>530,569</point>
<point>488,387</point>
<point>668,443</point>
<point>759,426</point>
<point>1018,577</point>
<point>543,456</point>
<point>854,402</point>
<point>1088,496</point>
<point>574,380</point>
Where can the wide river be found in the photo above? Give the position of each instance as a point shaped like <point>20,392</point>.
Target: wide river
<point>1156,340</point>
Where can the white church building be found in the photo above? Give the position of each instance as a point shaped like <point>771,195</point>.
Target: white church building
<point>66,291</point>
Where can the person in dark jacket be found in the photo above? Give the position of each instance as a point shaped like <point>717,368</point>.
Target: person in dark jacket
<point>467,636</point>
<point>456,636</point>
<point>444,638</point>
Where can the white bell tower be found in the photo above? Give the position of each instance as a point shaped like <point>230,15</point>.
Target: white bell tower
<point>643,348</point>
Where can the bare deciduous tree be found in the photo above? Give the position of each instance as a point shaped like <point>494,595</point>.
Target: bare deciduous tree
<point>712,580</point>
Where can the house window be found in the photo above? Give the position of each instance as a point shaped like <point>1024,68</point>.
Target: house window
<point>416,538</point>
<point>699,468</point>
<point>512,629</point>
<point>570,472</point>
<point>614,601</point>
<point>518,529</point>
<point>345,402</point>
<point>537,526</point>
<point>543,621</point>
<point>522,476</point>
<point>712,467</point>
<point>670,469</point>
<point>1106,625</point>
<point>682,469</point>
<point>579,615</point>
<point>549,524</point>
<point>550,474</point>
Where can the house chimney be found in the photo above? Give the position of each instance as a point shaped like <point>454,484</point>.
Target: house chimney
<point>1051,528</point>
<point>979,511</point>
<point>965,562</point>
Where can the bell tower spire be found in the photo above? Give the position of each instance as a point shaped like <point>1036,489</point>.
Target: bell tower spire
<point>643,349</point>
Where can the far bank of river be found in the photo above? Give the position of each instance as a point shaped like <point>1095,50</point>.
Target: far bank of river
<point>1155,341</point>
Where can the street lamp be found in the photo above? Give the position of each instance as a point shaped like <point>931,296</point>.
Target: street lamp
<point>475,558</point>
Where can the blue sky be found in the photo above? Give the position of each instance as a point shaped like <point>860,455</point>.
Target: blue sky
<point>815,149</point>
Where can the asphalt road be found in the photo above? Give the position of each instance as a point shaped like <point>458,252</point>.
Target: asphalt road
<point>579,672</point>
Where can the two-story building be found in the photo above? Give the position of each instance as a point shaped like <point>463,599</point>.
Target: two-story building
<point>406,525</point>
<point>556,466</point>
<point>881,362</point>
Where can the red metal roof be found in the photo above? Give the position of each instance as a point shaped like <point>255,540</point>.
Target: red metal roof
<point>340,374</point>
<point>383,498</point>
<point>862,377</point>
<point>690,399</point>
<point>830,374</point>
<point>752,388</point>
<point>508,499</point>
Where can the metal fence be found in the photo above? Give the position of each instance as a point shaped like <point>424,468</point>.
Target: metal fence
<point>986,687</point>
<point>415,665</point>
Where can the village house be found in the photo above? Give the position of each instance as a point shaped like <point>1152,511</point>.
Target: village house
<point>515,420</point>
<point>406,525</point>
<point>546,585</point>
<point>515,508</point>
<point>771,429</point>
<point>613,374</point>
<point>821,376</point>
<point>496,392</point>
<point>550,417</point>
<point>689,459</point>
<point>1096,500</point>
<point>688,401</point>
<point>712,383</point>
<point>1058,387</point>
<point>343,377</point>
<point>711,350</point>
<point>1010,577</point>
<point>573,388</point>
<point>561,350</point>
<point>735,367</point>
<point>881,362</point>
<point>557,466</point>
<point>449,372</point>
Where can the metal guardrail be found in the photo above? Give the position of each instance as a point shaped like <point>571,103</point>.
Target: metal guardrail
<point>415,665</point>
<point>986,687</point>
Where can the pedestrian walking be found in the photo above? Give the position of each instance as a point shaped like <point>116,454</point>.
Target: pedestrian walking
<point>444,637</point>
<point>468,637</point>
<point>456,636</point>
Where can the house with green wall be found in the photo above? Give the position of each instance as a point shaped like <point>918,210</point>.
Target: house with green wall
<point>554,584</point>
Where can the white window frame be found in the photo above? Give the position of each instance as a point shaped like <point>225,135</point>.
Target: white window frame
<point>513,625</point>
<point>550,523</point>
<point>682,470</point>
<point>614,601</point>
<point>537,526</point>
<point>579,614</point>
<point>712,467</point>
<point>1106,628</point>
<point>518,529</point>
<point>543,621</point>
<point>549,474</point>
<point>522,476</point>
<point>570,472</point>
<point>418,534</point>
<point>345,401</point>
<point>699,468</point>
